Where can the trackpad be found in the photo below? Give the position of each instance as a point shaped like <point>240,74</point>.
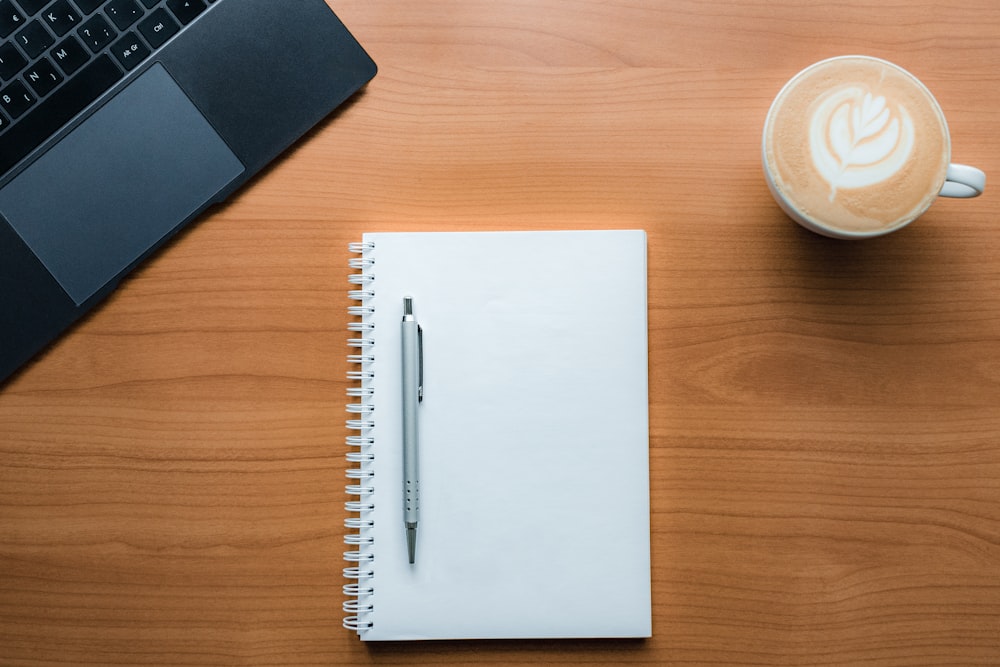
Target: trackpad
<point>119,183</point>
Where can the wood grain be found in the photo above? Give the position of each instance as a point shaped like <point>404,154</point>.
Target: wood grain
<point>825,416</point>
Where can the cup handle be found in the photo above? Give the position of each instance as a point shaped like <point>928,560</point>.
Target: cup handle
<point>963,181</point>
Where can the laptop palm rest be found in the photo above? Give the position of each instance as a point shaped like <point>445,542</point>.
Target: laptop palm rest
<point>96,202</point>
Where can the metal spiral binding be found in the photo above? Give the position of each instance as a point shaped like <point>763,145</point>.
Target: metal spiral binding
<point>360,444</point>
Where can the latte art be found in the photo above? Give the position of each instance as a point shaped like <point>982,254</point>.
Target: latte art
<point>858,140</point>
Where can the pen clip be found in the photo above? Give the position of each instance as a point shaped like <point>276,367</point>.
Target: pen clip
<point>420,364</point>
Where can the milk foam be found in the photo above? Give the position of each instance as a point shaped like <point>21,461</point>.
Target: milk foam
<point>857,140</point>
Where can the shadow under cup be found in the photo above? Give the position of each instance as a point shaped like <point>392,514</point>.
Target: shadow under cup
<point>855,147</point>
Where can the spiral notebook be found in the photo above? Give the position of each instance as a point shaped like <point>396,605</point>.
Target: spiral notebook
<point>533,437</point>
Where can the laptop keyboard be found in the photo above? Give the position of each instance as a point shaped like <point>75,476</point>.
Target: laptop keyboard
<point>58,56</point>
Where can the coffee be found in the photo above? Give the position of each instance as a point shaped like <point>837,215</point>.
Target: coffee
<point>855,145</point>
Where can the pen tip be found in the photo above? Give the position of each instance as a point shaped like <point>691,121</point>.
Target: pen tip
<point>407,305</point>
<point>411,542</point>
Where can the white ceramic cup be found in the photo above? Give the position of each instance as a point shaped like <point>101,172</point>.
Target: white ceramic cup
<point>856,147</point>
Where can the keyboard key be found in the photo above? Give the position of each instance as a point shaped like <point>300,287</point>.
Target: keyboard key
<point>186,10</point>
<point>34,39</point>
<point>15,99</point>
<point>158,27</point>
<point>70,55</point>
<point>54,112</point>
<point>10,18</point>
<point>123,12</point>
<point>88,6</point>
<point>11,61</point>
<point>61,17</point>
<point>32,6</point>
<point>43,77</point>
<point>3,123</point>
<point>96,33</point>
<point>130,50</point>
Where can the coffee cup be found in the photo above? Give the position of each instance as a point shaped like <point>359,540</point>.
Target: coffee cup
<point>856,147</point>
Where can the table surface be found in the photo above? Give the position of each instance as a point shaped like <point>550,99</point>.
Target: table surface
<point>825,416</point>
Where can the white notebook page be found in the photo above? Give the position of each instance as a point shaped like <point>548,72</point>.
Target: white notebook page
<point>534,507</point>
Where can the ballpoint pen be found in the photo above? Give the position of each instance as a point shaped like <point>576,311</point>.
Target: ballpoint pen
<point>413,394</point>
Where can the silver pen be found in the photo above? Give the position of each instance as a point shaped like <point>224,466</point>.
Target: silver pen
<point>413,394</point>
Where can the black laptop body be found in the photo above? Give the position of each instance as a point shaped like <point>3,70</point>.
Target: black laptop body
<point>122,120</point>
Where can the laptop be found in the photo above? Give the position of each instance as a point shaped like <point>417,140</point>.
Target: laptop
<point>122,120</point>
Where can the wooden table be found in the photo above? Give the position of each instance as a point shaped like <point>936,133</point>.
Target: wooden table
<point>825,416</point>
